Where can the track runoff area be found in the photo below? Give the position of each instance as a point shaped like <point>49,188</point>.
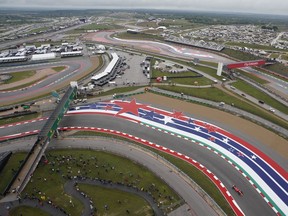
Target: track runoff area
<point>267,177</point>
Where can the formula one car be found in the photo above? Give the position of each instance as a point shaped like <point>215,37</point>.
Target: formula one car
<point>235,188</point>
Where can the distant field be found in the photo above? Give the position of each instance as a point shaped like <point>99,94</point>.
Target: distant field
<point>147,24</point>
<point>139,36</point>
<point>94,26</point>
<point>179,23</point>
<point>239,55</point>
<point>27,210</point>
<point>253,46</point>
<point>284,57</point>
<point>38,30</point>
<point>274,55</point>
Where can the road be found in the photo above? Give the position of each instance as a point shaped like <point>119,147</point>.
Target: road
<point>75,67</point>
<point>214,163</point>
<point>172,50</point>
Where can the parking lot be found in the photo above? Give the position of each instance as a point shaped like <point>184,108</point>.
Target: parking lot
<point>131,71</point>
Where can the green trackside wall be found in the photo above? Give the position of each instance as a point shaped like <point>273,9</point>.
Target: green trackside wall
<point>61,113</point>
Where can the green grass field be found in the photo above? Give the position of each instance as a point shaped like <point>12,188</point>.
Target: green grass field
<point>147,24</point>
<point>101,196</point>
<point>18,119</point>
<point>202,81</point>
<point>197,176</point>
<point>17,76</point>
<point>97,165</point>
<point>59,68</point>
<point>9,170</point>
<point>27,211</point>
<point>250,90</point>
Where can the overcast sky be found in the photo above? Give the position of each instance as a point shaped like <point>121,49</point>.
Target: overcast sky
<point>254,6</point>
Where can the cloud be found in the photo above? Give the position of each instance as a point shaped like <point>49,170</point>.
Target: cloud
<point>256,6</point>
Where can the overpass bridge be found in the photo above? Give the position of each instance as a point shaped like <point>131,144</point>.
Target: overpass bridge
<point>28,166</point>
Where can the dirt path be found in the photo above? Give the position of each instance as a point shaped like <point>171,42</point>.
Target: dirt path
<point>227,121</point>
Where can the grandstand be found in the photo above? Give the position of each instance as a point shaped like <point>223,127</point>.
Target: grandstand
<point>109,73</point>
<point>13,59</point>
<point>71,54</point>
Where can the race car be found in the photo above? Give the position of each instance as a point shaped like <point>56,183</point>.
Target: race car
<point>235,188</point>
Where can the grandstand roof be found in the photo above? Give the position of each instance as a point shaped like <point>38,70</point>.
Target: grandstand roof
<point>12,58</point>
<point>108,69</point>
<point>71,53</point>
<point>112,63</point>
<point>45,56</point>
<point>99,76</point>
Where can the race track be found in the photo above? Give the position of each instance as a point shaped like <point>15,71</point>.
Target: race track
<point>223,170</point>
<point>48,84</point>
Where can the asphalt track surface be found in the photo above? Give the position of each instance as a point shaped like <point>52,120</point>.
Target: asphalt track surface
<point>172,50</point>
<point>176,50</point>
<point>75,67</point>
<point>251,203</point>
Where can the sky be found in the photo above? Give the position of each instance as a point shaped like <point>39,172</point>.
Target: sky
<point>250,6</point>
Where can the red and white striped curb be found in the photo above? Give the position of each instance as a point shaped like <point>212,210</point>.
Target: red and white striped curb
<point>196,164</point>
<point>222,156</point>
<point>23,122</point>
<point>13,136</point>
<point>22,88</point>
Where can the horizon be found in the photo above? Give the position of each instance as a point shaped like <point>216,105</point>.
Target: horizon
<point>37,8</point>
<point>278,7</point>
